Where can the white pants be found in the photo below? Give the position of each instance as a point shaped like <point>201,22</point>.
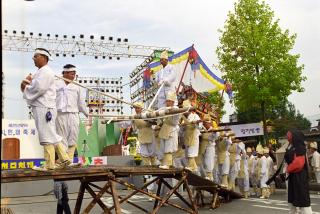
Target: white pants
<point>192,151</point>
<point>317,173</point>
<point>225,167</point>
<point>148,149</point>
<point>233,173</point>
<point>208,158</point>
<point>46,130</point>
<point>295,210</point>
<point>169,146</point>
<point>67,125</point>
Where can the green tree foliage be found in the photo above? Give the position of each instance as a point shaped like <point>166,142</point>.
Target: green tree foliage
<point>215,99</point>
<point>255,57</point>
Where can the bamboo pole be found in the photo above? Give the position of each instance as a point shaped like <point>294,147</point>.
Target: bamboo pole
<point>99,92</point>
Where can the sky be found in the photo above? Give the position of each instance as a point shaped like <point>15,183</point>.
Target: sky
<point>176,24</point>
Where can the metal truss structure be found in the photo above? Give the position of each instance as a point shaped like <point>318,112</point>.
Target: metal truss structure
<point>104,47</point>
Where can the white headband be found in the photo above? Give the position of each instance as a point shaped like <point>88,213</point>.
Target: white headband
<point>37,51</point>
<point>69,69</point>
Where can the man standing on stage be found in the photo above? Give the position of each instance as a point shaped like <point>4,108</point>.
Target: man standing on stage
<point>39,92</point>
<point>167,77</point>
<point>69,104</point>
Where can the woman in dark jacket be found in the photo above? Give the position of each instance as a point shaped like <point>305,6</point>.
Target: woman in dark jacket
<point>298,184</point>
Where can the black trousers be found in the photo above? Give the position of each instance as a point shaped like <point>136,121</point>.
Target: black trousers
<point>64,206</point>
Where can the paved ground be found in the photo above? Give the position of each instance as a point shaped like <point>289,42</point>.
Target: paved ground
<point>47,204</point>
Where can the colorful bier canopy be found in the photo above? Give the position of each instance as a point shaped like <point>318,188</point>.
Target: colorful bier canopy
<point>197,73</point>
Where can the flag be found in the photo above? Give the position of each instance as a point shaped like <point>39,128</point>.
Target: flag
<point>204,80</point>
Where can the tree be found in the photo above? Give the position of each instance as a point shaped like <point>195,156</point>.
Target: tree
<point>216,99</point>
<point>255,58</point>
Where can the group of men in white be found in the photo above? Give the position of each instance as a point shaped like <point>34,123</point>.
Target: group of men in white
<point>190,140</point>
<point>55,106</point>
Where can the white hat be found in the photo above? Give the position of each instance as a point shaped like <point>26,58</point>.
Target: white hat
<point>164,55</point>
<point>43,52</point>
<point>314,145</point>
<point>172,96</point>
<point>266,150</point>
<point>186,104</point>
<point>138,105</point>
<point>71,68</point>
<point>259,150</point>
<point>207,118</point>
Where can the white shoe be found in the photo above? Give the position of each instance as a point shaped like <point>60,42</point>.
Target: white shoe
<point>63,164</point>
<point>164,167</point>
<point>224,186</point>
<point>75,165</point>
<point>42,169</point>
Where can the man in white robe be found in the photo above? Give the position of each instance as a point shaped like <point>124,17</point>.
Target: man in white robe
<point>207,153</point>
<point>166,76</point>
<point>169,133</point>
<point>69,104</point>
<point>191,122</point>
<point>315,161</point>
<point>40,93</point>
<point>263,174</point>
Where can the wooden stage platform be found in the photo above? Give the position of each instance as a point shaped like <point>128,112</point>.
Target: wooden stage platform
<point>113,175</point>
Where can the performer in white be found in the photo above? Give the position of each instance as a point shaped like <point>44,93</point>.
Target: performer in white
<point>272,186</point>
<point>263,173</point>
<point>207,152</point>
<point>191,122</point>
<point>243,174</point>
<point>40,93</point>
<point>146,137</point>
<point>315,161</point>
<point>69,103</point>
<point>252,162</point>
<point>223,159</point>
<point>234,154</point>
<point>168,133</point>
<point>166,76</point>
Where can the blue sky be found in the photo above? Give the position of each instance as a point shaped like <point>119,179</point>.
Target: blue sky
<point>175,24</point>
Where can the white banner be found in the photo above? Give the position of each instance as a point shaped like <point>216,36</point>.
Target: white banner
<point>26,132</point>
<point>246,130</point>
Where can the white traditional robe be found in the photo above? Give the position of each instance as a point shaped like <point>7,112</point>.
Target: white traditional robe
<point>210,153</point>
<point>69,104</point>
<point>192,151</point>
<point>170,144</point>
<point>315,163</point>
<point>166,75</point>
<point>264,172</point>
<point>41,96</point>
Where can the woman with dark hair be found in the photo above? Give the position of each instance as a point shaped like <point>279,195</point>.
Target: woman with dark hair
<point>298,184</point>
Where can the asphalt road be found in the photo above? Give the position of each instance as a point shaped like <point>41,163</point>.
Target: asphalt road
<point>47,204</point>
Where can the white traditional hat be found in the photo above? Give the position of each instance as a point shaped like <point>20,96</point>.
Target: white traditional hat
<point>259,150</point>
<point>314,145</point>
<point>172,96</point>
<point>164,55</point>
<point>266,150</point>
<point>207,118</point>
<point>43,52</point>
<point>138,104</point>
<point>186,104</point>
